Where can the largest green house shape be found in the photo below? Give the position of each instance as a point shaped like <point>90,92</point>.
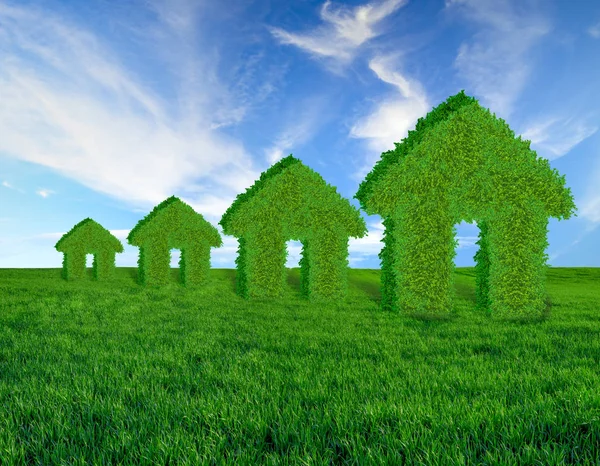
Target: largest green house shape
<point>463,163</point>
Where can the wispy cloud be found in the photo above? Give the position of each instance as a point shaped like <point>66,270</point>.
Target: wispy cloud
<point>178,15</point>
<point>6,184</point>
<point>394,116</point>
<point>74,103</point>
<point>344,33</point>
<point>590,228</point>
<point>554,137</point>
<point>588,205</point>
<point>590,209</point>
<point>300,127</point>
<point>100,125</point>
<point>594,31</point>
<point>44,192</point>
<point>339,40</point>
<point>497,62</point>
<point>94,122</point>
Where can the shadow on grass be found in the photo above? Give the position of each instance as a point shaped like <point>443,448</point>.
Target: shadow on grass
<point>546,314</point>
<point>426,317</point>
<point>362,283</point>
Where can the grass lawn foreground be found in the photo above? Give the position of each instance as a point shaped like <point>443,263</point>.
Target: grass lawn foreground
<point>113,373</point>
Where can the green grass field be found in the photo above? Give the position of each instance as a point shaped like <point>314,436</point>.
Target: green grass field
<point>112,373</point>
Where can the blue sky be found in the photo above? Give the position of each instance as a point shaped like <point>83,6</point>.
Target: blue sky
<point>107,107</point>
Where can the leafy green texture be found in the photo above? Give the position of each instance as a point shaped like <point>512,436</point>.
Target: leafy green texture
<point>292,202</point>
<point>173,224</point>
<point>389,284</point>
<point>463,163</point>
<point>88,237</point>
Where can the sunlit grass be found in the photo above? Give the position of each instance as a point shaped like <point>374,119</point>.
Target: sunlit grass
<point>112,373</point>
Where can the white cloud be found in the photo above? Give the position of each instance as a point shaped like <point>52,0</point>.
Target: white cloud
<point>554,137</point>
<point>590,209</point>
<point>594,31</point>
<point>590,228</point>
<point>69,104</point>
<point>301,127</point>
<point>496,63</point>
<point>393,118</point>
<point>287,141</point>
<point>178,15</point>
<point>6,184</point>
<point>44,192</point>
<point>345,31</point>
<point>76,109</point>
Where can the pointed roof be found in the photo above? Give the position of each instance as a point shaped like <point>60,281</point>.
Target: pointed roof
<point>92,234</point>
<point>258,185</point>
<point>439,113</point>
<point>297,183</point>
<point>172,211</point>
<point>463,117</point>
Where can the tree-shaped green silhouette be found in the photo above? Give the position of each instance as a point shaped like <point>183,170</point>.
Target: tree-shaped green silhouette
<point>88,237</point>
<point>173,224</point>
<point>463,163</point>
<point>292,202</point>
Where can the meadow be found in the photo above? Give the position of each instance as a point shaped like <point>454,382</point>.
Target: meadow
<point>114,373</point>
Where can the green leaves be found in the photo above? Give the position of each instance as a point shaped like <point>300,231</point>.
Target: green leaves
<point>173,224</point>
<point>88,237</point>
<point>463,163</point>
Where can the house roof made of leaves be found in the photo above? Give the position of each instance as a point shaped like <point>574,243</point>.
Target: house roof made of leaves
<point>401,150</point>
<point>170,214</point>
<point>92,234</point>
<point>549,185</point>
<point>287,170</point>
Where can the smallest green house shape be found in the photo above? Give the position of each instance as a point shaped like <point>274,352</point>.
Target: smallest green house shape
<point>173,224</point>
<point>88,237</point>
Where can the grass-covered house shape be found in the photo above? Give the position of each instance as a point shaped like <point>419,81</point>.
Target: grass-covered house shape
<point>463,163</point>
<point>173,224</point>
<point>88,237</point>
<point>292,202</point>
